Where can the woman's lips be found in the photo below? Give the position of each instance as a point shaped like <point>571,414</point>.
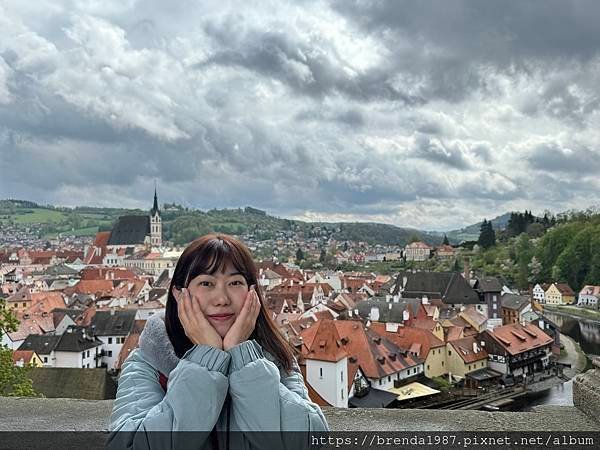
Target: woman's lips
<point>221,317</point>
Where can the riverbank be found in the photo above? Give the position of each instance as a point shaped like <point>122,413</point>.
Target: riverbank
<point>574,356</point>
<point>574,311</point>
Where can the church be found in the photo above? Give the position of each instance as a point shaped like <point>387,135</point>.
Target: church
<point>138,232</point>
<point>131,234</point>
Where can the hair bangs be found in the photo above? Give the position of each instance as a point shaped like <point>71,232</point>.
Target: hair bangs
<point>213,257</point>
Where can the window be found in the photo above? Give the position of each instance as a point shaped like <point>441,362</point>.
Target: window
<point>449,352</point>
<point>45,359</point>
<point>342,394</point>
<point>321,372</point>
<point>428,368</point>
<point>495,306</point>
<point>110,353</point>
<point>380,382</point>
<point>342,376</point>
<point>110,340</point>
<point>87,366</point>
<point>24,305</point>
<point>442,363</point>
<point>88,354</point>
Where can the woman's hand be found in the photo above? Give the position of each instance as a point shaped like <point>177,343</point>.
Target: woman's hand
<point>196,326</point>
<point>245,322</point>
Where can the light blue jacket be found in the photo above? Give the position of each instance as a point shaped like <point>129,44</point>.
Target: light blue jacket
<point>261,395</point>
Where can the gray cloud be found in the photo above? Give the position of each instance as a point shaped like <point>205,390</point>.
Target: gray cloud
<point>403,112</point>
<point>553,157</point>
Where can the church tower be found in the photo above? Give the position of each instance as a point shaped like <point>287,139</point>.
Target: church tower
<point>155,224</point>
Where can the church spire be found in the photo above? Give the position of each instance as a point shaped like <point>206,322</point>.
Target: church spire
<point>155,206</point>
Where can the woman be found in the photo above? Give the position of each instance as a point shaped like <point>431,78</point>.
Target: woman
<point>213,361</point>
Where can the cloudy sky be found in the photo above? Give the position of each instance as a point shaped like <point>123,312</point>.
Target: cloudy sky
<point>430,114</point>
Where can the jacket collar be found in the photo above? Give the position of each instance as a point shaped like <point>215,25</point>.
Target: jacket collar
<point>156,346</point>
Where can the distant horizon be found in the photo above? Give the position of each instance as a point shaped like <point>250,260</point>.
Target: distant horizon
<point>161,203</point>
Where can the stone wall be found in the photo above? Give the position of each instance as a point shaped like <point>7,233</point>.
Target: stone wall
<point>586,391</point>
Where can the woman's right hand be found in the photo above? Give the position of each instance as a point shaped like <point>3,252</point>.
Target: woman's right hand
<point>196,326</point>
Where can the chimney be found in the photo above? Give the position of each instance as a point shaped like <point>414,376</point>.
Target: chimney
<point>475,348</point>
<point>374,314</point>
<point>425,300</point>
<point>112,311</point>
<point>466,269</point>
<point>405,315</point>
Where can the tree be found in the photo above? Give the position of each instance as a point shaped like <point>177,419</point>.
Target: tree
<point>487,236</point>
<point>322,256</point>
<point>445,241</point>
<point>299,255</point>
<point>14,381</point>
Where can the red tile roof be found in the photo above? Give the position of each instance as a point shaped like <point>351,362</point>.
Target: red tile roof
<point>516,338</point>
<point>25,355</point>
<point>464,349</point>
<point>107,273</point>
<point>565,289</point>
<point>405,337</point>
<point>377,356</point>
<point>97,287</point>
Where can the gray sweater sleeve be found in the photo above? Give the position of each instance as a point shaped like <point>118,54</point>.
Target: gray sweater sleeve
<point>195,395</point>
<point>263,400</point>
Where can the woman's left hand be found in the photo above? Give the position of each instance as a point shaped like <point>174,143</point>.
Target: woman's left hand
<point>245,322</point>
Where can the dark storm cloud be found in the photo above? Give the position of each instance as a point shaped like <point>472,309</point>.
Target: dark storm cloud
<point>487,31</point>
<point>553,157</point>
<point>308,69</point>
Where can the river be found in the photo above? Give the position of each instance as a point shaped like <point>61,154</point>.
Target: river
<point>587,334</point>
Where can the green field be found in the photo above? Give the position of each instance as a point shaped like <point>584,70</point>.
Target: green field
<point>39,215</point>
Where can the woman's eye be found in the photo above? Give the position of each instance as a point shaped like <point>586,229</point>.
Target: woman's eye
<point>237,283</point>
<point>204,283</point>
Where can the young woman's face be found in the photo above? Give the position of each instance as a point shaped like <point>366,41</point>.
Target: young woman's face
<point>221,296</point>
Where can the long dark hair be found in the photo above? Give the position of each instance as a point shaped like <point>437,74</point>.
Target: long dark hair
<point>208,254</point>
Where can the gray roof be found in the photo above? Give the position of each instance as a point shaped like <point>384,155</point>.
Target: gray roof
<point>489,284</point>
<point>513,301</point>
<point>374,399</point>
<point>450,287</point>
<point>60,269</point>
<point>387,314</point>
<point>130,230</point>
<point>109,323</point>
<point>42,344</point>
<point>75,339</point>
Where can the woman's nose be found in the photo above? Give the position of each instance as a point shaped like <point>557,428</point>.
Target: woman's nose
<point>221,296</point>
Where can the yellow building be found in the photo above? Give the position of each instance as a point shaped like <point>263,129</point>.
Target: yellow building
<point>559,294</point>
<point>465,355</point>
<point>23,358</point>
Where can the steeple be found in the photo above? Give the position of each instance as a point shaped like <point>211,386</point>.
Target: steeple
<point>155,209</point>
<point>155,223</point>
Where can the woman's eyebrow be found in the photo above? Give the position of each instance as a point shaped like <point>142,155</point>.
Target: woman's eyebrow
<point>235,273</point>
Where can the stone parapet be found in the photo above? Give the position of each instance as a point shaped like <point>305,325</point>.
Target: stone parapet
<point>586,391</point>
<point>61,414</point>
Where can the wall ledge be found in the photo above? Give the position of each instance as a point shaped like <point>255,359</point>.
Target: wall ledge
<point>63,414</point>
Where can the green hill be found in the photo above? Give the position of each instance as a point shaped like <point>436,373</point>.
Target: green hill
<point>181,225</point>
